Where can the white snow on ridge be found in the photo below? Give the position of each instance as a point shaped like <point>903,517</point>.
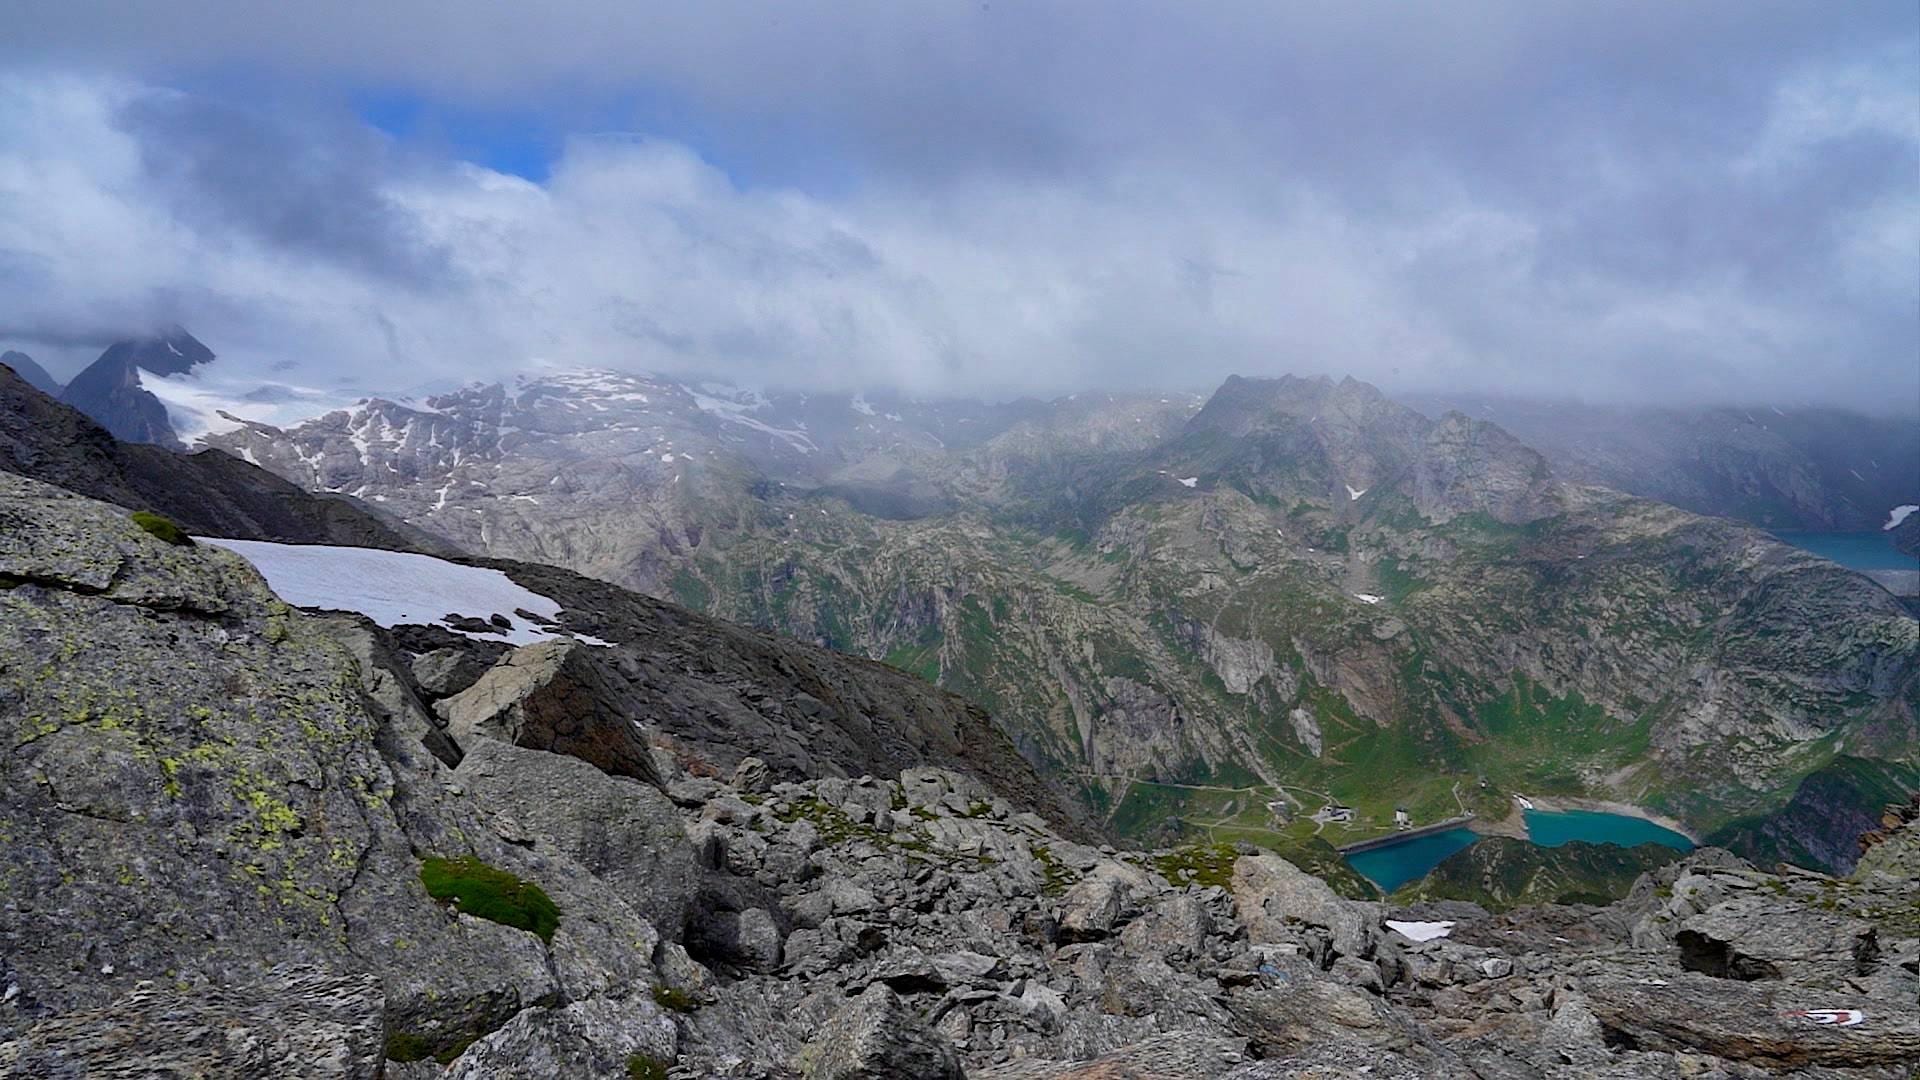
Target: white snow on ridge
<point>397,587</point>
<point>1897,515</point>
<point>1421,931</point>
<point>736,412</point>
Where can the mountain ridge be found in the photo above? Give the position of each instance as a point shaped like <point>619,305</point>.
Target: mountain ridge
<point>1219,597</point>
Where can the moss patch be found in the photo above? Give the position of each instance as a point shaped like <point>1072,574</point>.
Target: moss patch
<point>161,528</point>
<point>1201,864</point>
<point>668,997</point>
<point>645,1067</point>
<point>492,894</point>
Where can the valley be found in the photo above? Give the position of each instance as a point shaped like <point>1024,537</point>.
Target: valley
<point>1297,592</point>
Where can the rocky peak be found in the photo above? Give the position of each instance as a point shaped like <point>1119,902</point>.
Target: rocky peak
<point>1466,465</point>
<point>1298,439</point>
<point>209,493</point>
<point>35,375</point>
<point>110,390</point>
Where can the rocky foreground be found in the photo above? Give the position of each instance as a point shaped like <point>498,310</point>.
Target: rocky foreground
<point>245,840</point>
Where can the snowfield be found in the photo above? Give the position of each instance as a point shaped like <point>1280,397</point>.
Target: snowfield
<point>1421,931</point>
<point>1897,515</point>
<point>395,588</point>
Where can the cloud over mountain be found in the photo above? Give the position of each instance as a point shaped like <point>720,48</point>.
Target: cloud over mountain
<point>1623,201</point>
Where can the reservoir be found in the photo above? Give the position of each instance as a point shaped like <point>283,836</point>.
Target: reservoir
<point>1395,865</point>
<point>1553,828</point>
<point>1853,550</point>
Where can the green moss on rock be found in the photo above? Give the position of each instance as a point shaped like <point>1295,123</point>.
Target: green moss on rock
<point>489,893</point>
<point>161,528</point>
<point>645,1067</point>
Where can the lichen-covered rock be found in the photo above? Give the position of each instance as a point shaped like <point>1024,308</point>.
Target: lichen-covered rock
<point>301,1025</point>
<point>597,1039</point>
<point>1769,1024</point>
<point>196,784</point>
<point>623,831</point>
<point>1278,900</point>
<point>554,696</point>
<point>878,1037</point>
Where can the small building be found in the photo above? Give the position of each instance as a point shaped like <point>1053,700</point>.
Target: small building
<point>1281,811</point>
<point>1402,819</point>
<point>1336,812</point>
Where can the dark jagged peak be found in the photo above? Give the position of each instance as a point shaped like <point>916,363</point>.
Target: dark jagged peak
<point>36,376</point>
<point>208,493</point>
<point>1467,465</point>
<point>110,389</point>
<point>172,351</point>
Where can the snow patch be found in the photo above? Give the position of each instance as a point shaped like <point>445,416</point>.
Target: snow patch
<point>735,412</point>
<point>396,588</point>
<point>860,405</point>
<point>1368,598</point>
<point>1354,493</point>
<point>1189,481</point>
<point>1897,515</point>
<point>1421,931</point>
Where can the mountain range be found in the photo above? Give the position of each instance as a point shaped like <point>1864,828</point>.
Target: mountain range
<point>326,798</point>
<point>1212,616</point>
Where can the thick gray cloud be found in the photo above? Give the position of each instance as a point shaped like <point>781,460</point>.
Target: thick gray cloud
<point>1628,200</point>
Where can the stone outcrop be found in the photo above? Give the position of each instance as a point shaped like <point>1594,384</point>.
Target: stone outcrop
<point>623,831</point>
<point>877,1037</point>
<point>554,696</point>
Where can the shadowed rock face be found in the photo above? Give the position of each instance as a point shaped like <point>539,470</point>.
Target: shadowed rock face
<point>553,696</point>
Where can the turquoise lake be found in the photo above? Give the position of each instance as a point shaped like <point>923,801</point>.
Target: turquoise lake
<point>1553,828</point>
<point>1854,550</point>
<point>1396,864</point>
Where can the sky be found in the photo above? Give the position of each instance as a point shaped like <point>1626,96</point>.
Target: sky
<point>1642,202</point>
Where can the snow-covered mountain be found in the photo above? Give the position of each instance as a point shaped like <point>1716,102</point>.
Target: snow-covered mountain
<point>159,389</point>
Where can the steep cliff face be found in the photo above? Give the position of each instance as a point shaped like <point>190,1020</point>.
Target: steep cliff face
<point>1820,826</point>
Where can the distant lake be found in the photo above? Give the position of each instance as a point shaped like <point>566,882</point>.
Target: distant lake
<point>1553,828</point>
<point>1396,864</point>
<point>1853,550</point>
